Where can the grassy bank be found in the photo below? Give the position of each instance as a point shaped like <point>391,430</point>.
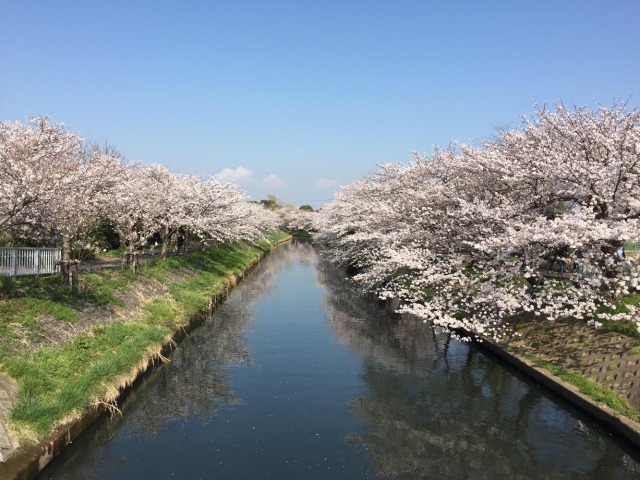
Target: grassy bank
<point>69,351</point>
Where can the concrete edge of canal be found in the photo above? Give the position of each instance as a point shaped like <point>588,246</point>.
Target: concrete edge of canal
<point>625,427</point>
<point>27,462</point>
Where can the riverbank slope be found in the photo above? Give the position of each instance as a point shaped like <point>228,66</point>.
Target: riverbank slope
<point>70,354</point>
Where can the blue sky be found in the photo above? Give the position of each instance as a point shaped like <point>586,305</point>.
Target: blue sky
<point>295,98</point>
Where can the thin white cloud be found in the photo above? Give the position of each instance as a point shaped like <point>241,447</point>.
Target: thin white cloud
<point>326,182</point>
<point>273,180</point>
<point>234,174</point>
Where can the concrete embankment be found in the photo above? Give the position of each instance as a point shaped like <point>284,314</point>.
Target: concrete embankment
<point>607,360</point>
<point>26,462</point>
<point>618,423</point>
<point>605,367</point>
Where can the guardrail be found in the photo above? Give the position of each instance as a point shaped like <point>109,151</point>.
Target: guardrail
<point>26,261</point>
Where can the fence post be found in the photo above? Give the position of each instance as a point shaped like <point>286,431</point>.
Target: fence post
<point>36,261</point>
<point>75,274</point>
<point>14,264</point>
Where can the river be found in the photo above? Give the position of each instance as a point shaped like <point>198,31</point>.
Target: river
<point>296,377</point>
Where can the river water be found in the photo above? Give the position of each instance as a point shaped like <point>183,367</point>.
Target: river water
<point>295,377</point>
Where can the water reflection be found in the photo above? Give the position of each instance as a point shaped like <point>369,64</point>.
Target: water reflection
<point>438,408</point>
<point>197,381</point>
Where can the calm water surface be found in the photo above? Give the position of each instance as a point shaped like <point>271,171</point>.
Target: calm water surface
<point>295,377</point>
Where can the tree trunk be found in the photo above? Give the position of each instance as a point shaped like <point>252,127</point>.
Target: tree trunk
<point>64,262</point>
<point>187,235</point>
<point>131,261</point>
<point>165,242</point>
<point>75,274</point>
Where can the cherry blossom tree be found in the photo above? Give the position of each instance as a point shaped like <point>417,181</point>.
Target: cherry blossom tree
<point>130,209</point>
<point>460,236</point>
<point>82,197</point>
<point>35,161</point>
<point>225,213</point>
<point>153,200</point>
<point>169,202</point>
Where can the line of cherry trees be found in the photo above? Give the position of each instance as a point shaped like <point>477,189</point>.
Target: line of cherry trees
<point>54,186</point>
<point>297,220</point>
<point>464,235</point>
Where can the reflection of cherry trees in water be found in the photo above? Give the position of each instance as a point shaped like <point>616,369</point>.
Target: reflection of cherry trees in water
<point>193,385</point>
<point>196,383</point>
<point>473,425</point>
<point>438,408</point>
<point>366,327</point>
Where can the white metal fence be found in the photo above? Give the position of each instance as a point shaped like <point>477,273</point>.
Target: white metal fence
<point>24,261</point>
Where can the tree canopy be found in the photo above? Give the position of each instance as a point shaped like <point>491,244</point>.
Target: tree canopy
<point>461,236</point>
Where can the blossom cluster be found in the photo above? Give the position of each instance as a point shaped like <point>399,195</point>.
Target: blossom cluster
<point>465,237</point>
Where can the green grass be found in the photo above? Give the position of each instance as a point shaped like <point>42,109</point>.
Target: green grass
<point>590,388</point>
<point>105,286</point>
<point>57,383</point>
<point>625,327</point>
<point>632,246</point>
<point>25,301</point>
<point>116,252</point>
<point>596,392</point>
